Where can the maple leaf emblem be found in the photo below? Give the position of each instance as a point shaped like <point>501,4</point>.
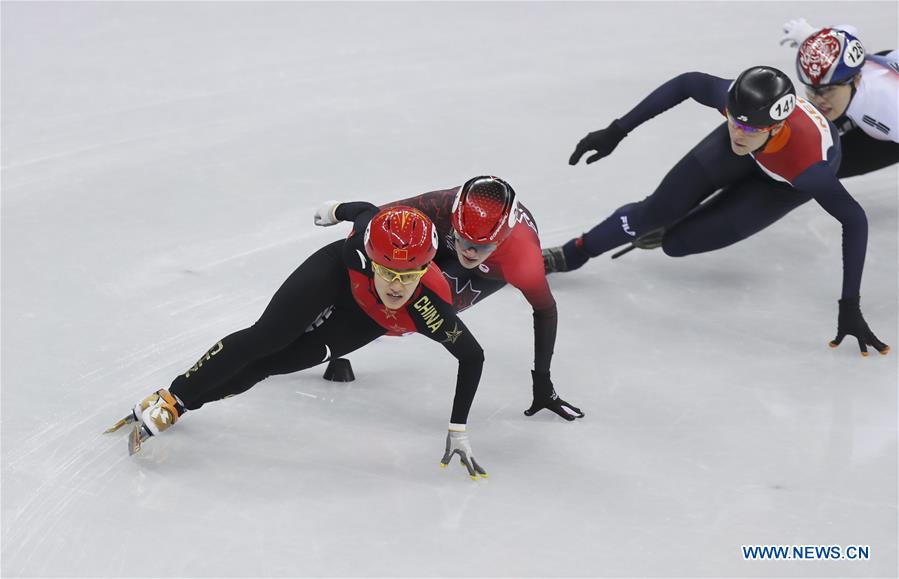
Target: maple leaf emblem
<point>463,297</point>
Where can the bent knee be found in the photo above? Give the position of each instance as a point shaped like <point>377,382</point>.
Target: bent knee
<point>475,357</point>
<point>675,246</point>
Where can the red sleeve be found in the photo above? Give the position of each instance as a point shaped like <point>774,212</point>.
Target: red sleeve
<point>521,262</point>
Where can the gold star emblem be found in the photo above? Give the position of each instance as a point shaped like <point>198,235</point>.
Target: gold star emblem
<point>388,313</point>
<point>453,335</point>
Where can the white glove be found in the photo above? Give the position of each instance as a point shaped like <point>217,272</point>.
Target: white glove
<point>795,31</point>
<point>457,443</point>
<point>325,214</point>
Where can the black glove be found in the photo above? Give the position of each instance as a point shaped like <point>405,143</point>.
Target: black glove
<point>545,397</point>
<point>602,141</point>
<point>851,322</point>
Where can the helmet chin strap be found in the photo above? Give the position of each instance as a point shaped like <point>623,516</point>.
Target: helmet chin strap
<point>852,90</point>
<point>843,118</point>
<point>762,146</point>
<point>765,144</point>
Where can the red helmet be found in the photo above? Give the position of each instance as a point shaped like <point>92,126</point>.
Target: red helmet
<point>401,238</point>
<point>485,210</point>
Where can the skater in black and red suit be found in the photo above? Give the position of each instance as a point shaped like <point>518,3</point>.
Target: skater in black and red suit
<point>381,280</point>
<point>488,239</point>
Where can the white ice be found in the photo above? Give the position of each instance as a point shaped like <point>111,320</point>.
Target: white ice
<point>161,163</point>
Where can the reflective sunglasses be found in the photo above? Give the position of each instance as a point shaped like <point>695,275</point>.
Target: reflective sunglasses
<point>405,277</point>
<point>747,128</point>
<point>478,247</point>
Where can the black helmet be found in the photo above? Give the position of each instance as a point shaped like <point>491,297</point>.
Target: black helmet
<point>761,96</point>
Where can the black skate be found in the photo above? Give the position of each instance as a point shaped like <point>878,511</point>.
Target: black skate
<point>339,370</point>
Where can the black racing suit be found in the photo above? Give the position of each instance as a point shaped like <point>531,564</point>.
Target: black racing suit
<point>314,317</point>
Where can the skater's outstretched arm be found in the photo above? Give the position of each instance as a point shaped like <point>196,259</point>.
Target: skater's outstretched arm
<point>437,320</point>
<point>333,212</point>
<point>705,89</point>
<point>433,316</point>
<point>822,184</point>
<point>521,261</point>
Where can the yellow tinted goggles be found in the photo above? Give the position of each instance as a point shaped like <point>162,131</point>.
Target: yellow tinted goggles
<point>405,277</point>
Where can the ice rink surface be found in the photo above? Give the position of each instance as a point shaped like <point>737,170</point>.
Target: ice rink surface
<point>161,164</point>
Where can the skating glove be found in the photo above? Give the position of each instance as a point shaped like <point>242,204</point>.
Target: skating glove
<point>457,443</point>
<point>850,322</point>
<point>325,214</point>
<point>795,31</point>
<point>602,141</point>
<point>545,397</point>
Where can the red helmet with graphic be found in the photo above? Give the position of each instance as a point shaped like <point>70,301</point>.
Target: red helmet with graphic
<point>829,57</point>
<point>485,210</point>
<point>401,238</point>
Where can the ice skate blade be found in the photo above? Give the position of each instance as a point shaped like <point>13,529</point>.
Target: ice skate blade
<point>127,420</point>
<point>136,438</point>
